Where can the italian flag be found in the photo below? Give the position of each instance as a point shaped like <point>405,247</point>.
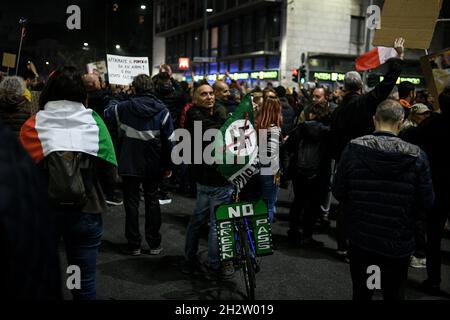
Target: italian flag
<point>374,58</point>
<point>67,126</point>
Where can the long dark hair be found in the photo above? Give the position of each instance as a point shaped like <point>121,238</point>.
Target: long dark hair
<point>64,84</point>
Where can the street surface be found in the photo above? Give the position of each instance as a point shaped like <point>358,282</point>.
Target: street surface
<point>290,274</point>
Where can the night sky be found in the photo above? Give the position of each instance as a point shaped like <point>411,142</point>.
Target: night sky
<point>48,38</point>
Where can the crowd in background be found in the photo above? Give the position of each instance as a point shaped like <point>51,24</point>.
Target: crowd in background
<point>314,136</point>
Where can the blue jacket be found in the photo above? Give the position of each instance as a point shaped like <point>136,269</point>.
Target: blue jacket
<point>385,187</point>
<point>144,128</point>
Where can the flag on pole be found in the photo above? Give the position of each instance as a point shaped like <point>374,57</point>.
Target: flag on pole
<point>236,146</point>
<point>374,58</point>
<point>67,126</point>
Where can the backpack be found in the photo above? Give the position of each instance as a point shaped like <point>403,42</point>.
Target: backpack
<point>310,155</point>
<point>67,185</point>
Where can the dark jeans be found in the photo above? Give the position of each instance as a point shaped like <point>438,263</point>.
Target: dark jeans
<point>308,198</point>
<point>435,229</point>
<point>153,221</point>
<point>394,274</point>
<point>421,239</point>
<point>208,199</point>
<point>82,234</point>
<point>341,235</point>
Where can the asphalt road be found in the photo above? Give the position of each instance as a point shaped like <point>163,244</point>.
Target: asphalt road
<point>289,274</point>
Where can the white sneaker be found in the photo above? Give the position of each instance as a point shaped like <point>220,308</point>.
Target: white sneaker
<point>165,201</point>
<point>156,251</point>
<point>418,263</point>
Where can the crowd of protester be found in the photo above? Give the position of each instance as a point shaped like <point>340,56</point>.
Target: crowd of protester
<point>382,158</point>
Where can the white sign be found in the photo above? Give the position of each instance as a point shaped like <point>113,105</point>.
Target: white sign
<point>122,70</point>
<point>99,67</point>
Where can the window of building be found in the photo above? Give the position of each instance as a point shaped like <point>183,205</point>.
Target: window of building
<point>260,30</point>
<point>223,67</point>
<point>260,63</point>
<point>197,43</point>
<point>234,66</point>
<point>236,37</point>
<point>247,36</point>
<point>357,30</point>
<point>214,41</point>
<point>247,65</point>
<point>189,41</point>
<point>224,40</point>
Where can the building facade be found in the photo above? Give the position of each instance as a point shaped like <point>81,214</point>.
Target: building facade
<point>265,40</point>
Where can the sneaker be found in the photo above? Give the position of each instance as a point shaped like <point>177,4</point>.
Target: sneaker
<point>156,251</point>
<point>343,254</point>
<point>129,250</point>
<point>165,201</point>
<point>418,263</point>
<point>191,268</point>
<point>312,243</point>
<point>164,198</point>
<point>114,201</point>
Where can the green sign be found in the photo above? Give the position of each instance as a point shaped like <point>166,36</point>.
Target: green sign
<point>257,217</point>
<point>337,76</point>
<point>225,235</point>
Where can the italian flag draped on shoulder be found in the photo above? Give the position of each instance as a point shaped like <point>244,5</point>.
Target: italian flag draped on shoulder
<point>67,126</point>
<point>236,146</point>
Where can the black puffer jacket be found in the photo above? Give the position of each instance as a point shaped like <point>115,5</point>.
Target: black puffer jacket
<point>14,112</point>
<point>385,186</point>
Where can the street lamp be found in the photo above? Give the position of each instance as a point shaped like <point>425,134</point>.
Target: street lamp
<point>143,7</point>
<point>117,46</point>
<point>86,44</point>
<point>209,10</point>
<point>47,63</point>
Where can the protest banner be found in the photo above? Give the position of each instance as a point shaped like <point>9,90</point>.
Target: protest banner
<point>98,67</point>
<point>436,68</point>
<point>413,20</point>
<point>122,70</point>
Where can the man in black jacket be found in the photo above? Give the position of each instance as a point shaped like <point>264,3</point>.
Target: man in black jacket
<point>144,127</point>
<point>353,118</point>
<point>384,185</point>
<point>433,135</point>
<point>212,188</point>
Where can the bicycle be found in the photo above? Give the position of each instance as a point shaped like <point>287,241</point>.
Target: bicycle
<point>244,235</point>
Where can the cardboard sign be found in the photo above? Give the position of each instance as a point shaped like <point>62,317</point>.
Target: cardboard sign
<point>436,68</point>
<point>9,60</point>
<point>413,20</point>
<point>122,70</point>
<point>98,67</point>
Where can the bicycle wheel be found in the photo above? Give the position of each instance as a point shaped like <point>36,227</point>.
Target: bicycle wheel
<point>247,265</point>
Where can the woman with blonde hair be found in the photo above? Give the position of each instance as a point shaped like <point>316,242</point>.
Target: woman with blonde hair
<point>269,132</point>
